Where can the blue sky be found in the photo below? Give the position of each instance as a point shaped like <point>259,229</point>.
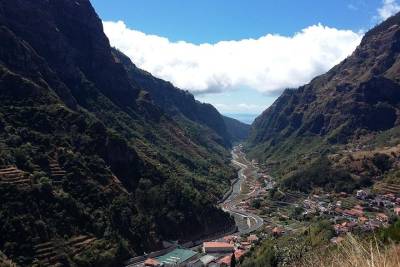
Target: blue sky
<point>227,49</point>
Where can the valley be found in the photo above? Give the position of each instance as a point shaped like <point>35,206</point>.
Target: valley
<point>263,211</point>
<point>103,163</point>
<point>245,220</point>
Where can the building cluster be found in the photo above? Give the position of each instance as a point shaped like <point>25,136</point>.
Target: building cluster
<point>269,182</point>
<point>367,213</point>
<point>362,211</point>
<point>219,253</point>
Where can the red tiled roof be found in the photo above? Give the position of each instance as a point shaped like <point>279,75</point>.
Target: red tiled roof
<point>229,238</point>
<point>338,210</point>
<point>252,238</point>
<point>151,262</point>
<point>239,253</point>
<point>217,245</point>
<point>225,260</point>
<point>358,207</point>
<point>354,212</point>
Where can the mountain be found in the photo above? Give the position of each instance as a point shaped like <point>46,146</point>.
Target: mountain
<point>238,130</point>
<point>353,107</point>
<point>99,161</point>
<point>177,103</point>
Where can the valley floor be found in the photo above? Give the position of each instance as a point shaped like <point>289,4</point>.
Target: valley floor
<point>246,223</point>
<point>263,211</point>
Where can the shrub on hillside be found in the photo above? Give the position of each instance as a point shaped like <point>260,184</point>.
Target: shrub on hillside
<point>382,161</point>
<point>320,173</point>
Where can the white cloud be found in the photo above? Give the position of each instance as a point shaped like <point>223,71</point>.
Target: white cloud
<point>388,9</point>
<point>267,64</point>
<point>239,108</point>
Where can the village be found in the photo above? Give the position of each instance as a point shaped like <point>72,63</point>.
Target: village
<point>253,197</point>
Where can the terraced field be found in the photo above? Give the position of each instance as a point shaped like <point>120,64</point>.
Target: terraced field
<point>56,171</point>
<point>79,243</point>
<point>387,188</point>
<point>10,175</point>
<point>49,254</point>
<point>54,253</point>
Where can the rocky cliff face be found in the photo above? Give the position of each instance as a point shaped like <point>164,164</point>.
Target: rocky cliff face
<point>360,95</point>
<point>92,169</point>
<point>333,132</point>
<point>176,102</point>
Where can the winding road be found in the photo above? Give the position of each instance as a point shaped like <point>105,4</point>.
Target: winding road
<point>254,222</point>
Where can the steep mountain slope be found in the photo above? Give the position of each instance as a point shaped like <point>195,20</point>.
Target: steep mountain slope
<point>351,104</point>
<point>176,102</point>
<point>91,170</point>
<point>238,131</point>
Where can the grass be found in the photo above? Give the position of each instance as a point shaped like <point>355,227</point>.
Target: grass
<point>354,253</point>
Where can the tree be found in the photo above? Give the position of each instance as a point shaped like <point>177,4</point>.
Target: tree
<point>233,260</point>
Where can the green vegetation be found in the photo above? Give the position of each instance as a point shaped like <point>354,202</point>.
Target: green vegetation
<point>392,233</point>
<point>383,162</point>
<point>166,188</point>
<point>283,251</point>
<point>353,251</point>
<point>344,111</point>
<point>237,130</point>
<point>320,173</point>
<point>99,172</point>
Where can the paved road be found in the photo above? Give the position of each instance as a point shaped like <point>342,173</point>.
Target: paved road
<point>230,203</point>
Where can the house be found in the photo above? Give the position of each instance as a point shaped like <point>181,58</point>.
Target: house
<point>370,226</point>
<point>362,194</point>
<point>354,212</point>
<point>225,261</point>
<point>252,238</point>
<point>383,201</point>
<point>382,217</point>
<point>217,247</point>
<point>390,197</point>
<point>344,227</point>
<point>230,238</point>
<point>322,209</point>
<point>151,263</point>
<point>239,253</point>
<point>309,204</point>
<point>363,219</point>
<point>245,245</point>
<point>359,207</point>
<point>206,260</point>
<point>340,229</point>
<point>397,211</point>
<point>351,224</point>
<point>277,231</point>
<point>338,210</point>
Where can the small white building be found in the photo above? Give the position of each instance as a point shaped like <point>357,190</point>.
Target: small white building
<point>361,194</point>
<point>203,261</point>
